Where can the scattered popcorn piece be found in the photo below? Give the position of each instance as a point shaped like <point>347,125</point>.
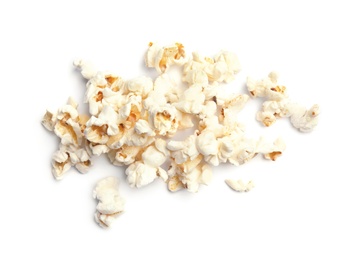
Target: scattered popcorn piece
<point>161,58</point>
<point>87,69</point>
<point>239,185</point>
<point>110,204</point>
<point>278,105</point>
<point>146,169</point>
<point>222,68</point>
<point>67,156</point>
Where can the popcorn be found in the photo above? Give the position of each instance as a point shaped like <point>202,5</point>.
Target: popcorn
<point>161,58</point>
<point>147,169</point>
<point>68,156</point>
<point>239,185</point>
<point>110,204</point>
<point>278,105</point>
<point>222,68</point>
<point>136,123</point>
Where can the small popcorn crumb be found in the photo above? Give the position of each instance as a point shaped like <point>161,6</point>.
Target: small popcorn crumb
<point>239,185</point>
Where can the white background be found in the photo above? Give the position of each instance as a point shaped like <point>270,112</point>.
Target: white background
<point>304,205</point>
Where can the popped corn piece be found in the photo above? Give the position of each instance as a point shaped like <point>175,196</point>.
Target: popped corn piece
<point>222,68</point>
<point>192,100</point>
<point>140,174</point>
<point>189,175</point>
<point>304,119</point>
<point>65,123</point>
<point>239,185</point>
<point>279,105</point>
<point>87,69</point>
<point>266,87</point>
<point>163,119</point>
<point>146,169</point>
<point>161,58</point>
<point>49,120</point>
<point>271,151</point>
<point>104,89</point>
<point>60,164</point>
<point>67,156</point>
<point>125,155</point>
<point>98,129</point>
<point>139,86</point>
<point>110,204</point>
<point>182,151</point>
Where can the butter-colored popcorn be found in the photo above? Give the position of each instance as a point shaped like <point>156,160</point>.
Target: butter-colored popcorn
<point>67,156</point>
<point>147,169</point>
<point>182,151</point>
<point>267,87</point>
<point>161,58</point>
<point>98,129</point>
<point>102,89</point>
<point>125,155</point>
<point>222,68</point>
<point>239,185</point>
<point>110,204</point>
<point>279,105</point>
<point>139,86</point>
<point>65,123</point>
<point>163,119</point>
<point>189,175</point>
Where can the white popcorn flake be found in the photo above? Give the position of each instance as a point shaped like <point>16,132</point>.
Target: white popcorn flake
<point>279,105</point>
<point>239,185</point>
<point>134,122</point>
<point>67,156</point>
<point>110,204</point>
<point>161,58</point>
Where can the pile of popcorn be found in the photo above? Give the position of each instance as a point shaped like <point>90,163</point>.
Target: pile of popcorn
<point>133,122</point>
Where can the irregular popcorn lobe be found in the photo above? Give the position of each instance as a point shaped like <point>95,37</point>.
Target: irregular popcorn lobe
<point>133,121</point>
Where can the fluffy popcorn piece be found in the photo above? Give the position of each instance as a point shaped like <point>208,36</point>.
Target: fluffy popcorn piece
<point>161,58</point>
<point>189,175</point>
<point>60,164</point>
<point>231,108</point>
<point>165,90</point>
<point>49,120</point>
<point>266,87</point>
<point>67,156</point>
<point>139,174</point>
<point>239,185</point>
<point>139,86</point>
<point>98,129</point>
<point>163,119</point>
<point>96,149</point>
<point>125,155</point>
<point>103,88</point>
<point>192,100</point>
<point>87,69</point>
<point>278,105</point>
<point>303,119</point>
<point>144,171</point>
<point>110,204</point>
<point>222,68</point>
<point>65,123</point>
<point>182,151</point>
<point>196,77</point>
<point>143,127</point>
<point>271,150</point>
